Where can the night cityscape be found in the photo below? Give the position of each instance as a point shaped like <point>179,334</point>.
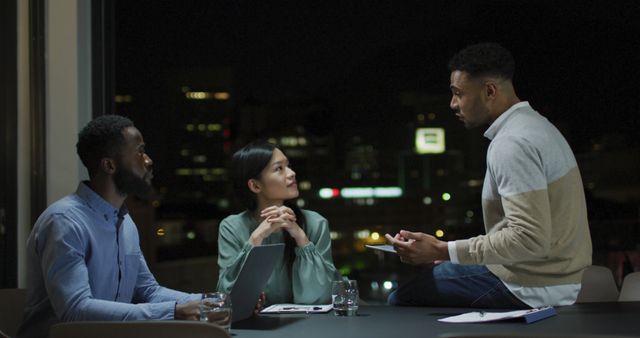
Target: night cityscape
<point>357,95</point>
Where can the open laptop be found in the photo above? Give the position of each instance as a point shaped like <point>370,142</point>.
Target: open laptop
<point>253,277</point>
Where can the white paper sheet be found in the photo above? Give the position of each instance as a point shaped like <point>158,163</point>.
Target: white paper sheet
<point>480,317</point>
<point>297,308</point>
<point>384,247</point>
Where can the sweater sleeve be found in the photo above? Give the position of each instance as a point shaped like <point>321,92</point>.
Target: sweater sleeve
<point>523,234</point>
<point>313,269</point>
<point>232,252</point>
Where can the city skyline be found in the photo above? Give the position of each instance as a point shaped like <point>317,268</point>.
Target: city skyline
<point>355,82</point>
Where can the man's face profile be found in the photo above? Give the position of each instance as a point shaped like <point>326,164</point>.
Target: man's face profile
<point>467,100</point>
<point>133,166</point>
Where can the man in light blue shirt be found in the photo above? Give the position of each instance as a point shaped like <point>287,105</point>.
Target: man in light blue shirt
<point>84,259</point>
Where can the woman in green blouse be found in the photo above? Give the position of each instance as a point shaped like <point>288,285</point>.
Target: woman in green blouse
<point>265,184</point>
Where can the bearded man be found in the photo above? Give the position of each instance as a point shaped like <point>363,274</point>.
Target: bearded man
<point>84,260</point>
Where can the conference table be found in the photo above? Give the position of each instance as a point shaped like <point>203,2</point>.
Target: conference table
<point>611,319</point>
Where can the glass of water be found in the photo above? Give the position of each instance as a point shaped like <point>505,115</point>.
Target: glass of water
<point>215,307</point>
<point>344,295</point>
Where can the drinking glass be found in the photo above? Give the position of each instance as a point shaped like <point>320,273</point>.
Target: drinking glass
<point>344,296</point>
<point>215,307</point>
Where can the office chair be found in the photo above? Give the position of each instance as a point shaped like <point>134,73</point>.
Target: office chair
<point>630,291</point>
<point>12,303</point>
<point>598,285</point>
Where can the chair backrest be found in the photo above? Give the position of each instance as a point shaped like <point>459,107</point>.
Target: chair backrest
<point>137,329</point>
<point>598,285</point>
<point>12,302</point>
<point>630,291</point>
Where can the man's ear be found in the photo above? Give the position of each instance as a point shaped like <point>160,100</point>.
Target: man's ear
<point>254,186</point>
<point>108,165</point>
<point>490,90</point>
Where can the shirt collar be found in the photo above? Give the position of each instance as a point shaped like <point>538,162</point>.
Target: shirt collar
<point>495,127</point>
<point>99,204</point>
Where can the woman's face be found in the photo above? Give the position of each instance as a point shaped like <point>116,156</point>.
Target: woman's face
<point>277,181</point>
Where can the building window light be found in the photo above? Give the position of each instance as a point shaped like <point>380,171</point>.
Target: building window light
<point>430,141</point>
<point>325,193</point>
<point>362,234</point>
<point>221,96</point>
<point>123,98</point>
<point>363,193</point>
<point>214,127</point>
<point>200,159</point>
<point>371,192</point>
<point>218,171</point>
<point>305,185</point>
<point>197,95</point>
<point>184,172</point>
<point>300,203</point>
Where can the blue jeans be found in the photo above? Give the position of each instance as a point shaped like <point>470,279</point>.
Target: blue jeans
<point>453,285</point>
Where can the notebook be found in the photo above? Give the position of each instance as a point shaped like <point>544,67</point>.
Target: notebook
<point>253,277</point>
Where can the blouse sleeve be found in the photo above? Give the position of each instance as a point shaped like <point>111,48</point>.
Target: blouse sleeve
<point>232,252</point>
<point>313,269</point>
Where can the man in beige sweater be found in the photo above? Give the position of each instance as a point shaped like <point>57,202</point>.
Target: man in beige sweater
<point>537,240</point>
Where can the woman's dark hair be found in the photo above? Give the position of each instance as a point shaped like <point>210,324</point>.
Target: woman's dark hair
<point>248,163</point>
<point>484,59</point>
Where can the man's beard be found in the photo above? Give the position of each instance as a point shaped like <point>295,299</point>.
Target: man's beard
<point>127,183</point>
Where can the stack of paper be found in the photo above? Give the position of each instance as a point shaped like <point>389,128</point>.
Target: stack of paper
<point>529,316</point>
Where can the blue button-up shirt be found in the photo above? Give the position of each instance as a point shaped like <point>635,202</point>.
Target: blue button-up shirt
<point>84,263</point>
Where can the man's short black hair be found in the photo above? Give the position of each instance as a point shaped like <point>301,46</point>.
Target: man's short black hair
<point>484,59</point>
<point>101,138</point>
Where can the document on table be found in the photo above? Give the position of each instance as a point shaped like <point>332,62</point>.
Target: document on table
<point>529,316</point>
<point>384,247</point>
<point>297,308</point>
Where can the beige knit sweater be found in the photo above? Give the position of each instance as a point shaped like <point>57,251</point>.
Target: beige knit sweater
<point>535,215</point>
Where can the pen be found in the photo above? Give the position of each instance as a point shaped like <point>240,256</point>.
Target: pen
<point>301,308</point>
